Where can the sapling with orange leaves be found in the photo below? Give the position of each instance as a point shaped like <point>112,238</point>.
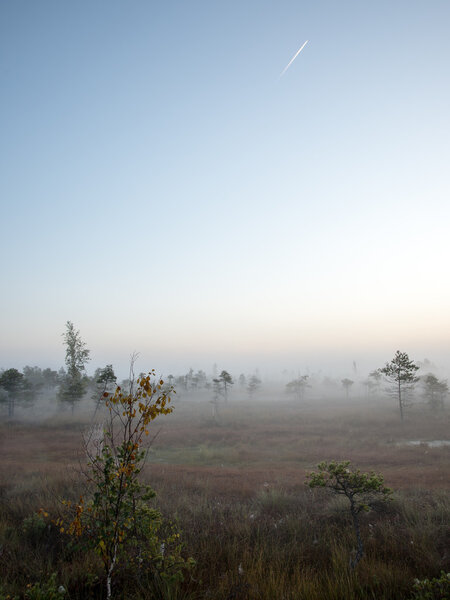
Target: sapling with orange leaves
<point>117,519</point>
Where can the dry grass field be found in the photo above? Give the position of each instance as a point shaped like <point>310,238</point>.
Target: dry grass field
<point>236,491</point>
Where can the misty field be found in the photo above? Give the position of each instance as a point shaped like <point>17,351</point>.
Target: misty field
<point>235,488</point>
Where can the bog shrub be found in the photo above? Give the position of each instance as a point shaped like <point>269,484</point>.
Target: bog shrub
<point>437,588</point>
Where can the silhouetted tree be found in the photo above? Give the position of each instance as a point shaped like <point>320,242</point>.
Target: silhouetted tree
<point>226,380</point>
<point>34,381</point>
<point>12,381</point>
<point>401,373</point>
<point>50,378</point>
<point>347,384</point>
<point>201,379</point>
<point>104,381</point>
<point>375,378</point>
<point>298,386</point>
<point>434,391</point>
<point>254,383</point>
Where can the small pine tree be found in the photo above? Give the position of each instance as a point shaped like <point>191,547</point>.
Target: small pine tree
<point>226,381</point>
<point>361,490</point>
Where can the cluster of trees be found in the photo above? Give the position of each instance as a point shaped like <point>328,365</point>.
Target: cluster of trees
<point>72,382</point>
<point>26,385</point>
<point>298,386</point>
<point>219,383</point>
<point>401,374</point>
<point>401,377</point>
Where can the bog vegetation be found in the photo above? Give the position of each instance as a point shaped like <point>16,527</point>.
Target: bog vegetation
<point>118,498</point>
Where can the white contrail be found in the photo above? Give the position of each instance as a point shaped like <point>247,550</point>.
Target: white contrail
<point>292,59</point>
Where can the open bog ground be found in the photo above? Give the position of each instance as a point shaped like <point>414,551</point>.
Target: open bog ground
<point>236,489</point>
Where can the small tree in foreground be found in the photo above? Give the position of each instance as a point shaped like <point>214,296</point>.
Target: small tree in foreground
<point>361,489</point>
<point>401,372</point>
<point>117,519</point>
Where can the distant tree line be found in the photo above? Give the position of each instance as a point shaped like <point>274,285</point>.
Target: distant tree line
<point>72,383</point>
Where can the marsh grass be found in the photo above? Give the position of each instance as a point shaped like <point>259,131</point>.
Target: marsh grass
<point>236,492</point>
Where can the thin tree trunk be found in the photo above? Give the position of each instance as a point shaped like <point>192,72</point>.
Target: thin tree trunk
<point>109,574</point>
<point>400,400</point>
<point>10,406</point>
<point>359,542</point>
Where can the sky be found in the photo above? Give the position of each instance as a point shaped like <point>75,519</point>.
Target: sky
<point>164,189</point>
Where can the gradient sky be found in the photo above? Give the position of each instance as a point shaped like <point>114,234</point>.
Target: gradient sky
<point>164,189</point>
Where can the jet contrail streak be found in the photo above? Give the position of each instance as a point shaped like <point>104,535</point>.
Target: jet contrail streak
<point>292,59</point>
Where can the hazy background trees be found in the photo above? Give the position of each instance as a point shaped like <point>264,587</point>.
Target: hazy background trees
<point>347,384</point>
<point>434,391</point>
<point>298,386</point>
<point>12,381</point>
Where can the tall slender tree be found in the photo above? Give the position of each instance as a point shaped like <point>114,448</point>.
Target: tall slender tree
<point>73,386</point>
<point>401,373</point>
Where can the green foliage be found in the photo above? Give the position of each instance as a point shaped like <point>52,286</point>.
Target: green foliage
<point>11,380</point>
<point>437,588</point>
<point>48,590</point>
<point>117,520</point>
<point>73,385</point>
<point>105,376</point>
<point>34,528</point>
<point>104,380</point>
<point>361,489</point>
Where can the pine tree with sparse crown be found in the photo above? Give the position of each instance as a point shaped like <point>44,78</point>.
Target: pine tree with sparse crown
<point>401,373</point>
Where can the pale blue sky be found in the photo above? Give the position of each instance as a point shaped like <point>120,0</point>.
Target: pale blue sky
<point>166,191</point>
